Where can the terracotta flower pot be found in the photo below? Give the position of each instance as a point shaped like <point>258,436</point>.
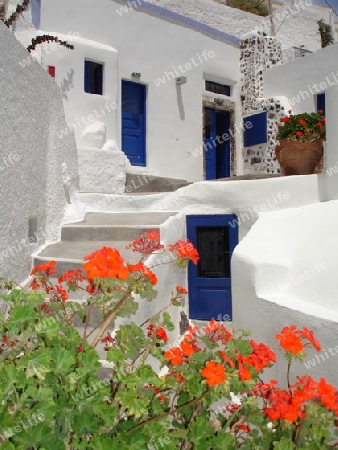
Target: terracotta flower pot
<point>299,158</point>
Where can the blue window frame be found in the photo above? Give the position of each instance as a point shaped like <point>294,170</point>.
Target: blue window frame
<point>255,129</point>
<point>93,77</point>
<point>321,102</point>
<point>217,88</point>
<point>215,237</point>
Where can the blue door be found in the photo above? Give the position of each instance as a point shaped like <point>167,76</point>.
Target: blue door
<point>215,238</point>
<point>133,122</point>
<point>216,143</point>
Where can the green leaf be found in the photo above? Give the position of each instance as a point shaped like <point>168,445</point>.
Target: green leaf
<point>63,361</point>
<point>36,364</point>
<point>200,429</point>
<point>129,308</point>
<point>7,446</point>
<point>283,444</point>
<point>149,376</point>
<point>11,378</point>
<point>101,443</point>
<point>168,324</point>
<point>135,406</point>
<point>148,293</point>
<point>115,355</point>
<point>131,340</point>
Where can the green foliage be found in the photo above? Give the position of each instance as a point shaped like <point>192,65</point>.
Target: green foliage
<point>326,34</point>
<point>304,127</point>
<point>257,7</point>
<point>53,396</point>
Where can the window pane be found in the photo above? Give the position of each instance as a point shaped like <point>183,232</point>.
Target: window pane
<point>217,88</point>
<point>213,249</point>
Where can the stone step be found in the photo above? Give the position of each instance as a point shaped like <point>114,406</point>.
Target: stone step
<point>96,231</point>
<point>136,183</point>
<point>114,226</point>
<point>69,255</point>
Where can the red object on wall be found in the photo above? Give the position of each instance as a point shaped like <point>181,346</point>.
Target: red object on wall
<point>51,71</point>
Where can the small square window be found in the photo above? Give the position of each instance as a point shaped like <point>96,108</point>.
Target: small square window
<point>93,79</point>
<point>321,102</point>
<point>217,88</point>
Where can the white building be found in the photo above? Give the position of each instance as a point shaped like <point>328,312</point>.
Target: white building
<point>141,79</point>
<point>157,80</point>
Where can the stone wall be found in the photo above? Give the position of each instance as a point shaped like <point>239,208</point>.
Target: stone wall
<point>259,53</point>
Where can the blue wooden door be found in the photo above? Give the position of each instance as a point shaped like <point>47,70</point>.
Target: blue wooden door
<point>216,144</point>
<point>215,238</point>
<point>209,143</point>
<point>133,122</point>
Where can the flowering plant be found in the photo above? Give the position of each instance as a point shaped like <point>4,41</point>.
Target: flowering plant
<point>304,127</point>
<point>203,392</point>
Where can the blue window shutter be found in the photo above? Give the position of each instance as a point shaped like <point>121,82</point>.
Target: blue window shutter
<point>87,78</point>
<point>99,78</point>
<point>321,102</point>
<point>257,133</point>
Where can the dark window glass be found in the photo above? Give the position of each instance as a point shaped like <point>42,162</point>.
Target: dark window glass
<point>321,102</point>
<point>213,249</point>
<point>93,77</point>
<point>217,88</point>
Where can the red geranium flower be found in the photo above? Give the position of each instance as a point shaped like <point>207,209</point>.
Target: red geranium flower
<point>147,243</point>
<point>181,290</point>
<point>106,263</point>
<point>214,373</point>
<point>48,269</point>
<point>185,250</point>
<point>290,340</point>
<point>174,356</point>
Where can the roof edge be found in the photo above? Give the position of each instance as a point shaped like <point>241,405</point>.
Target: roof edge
<point>159,10</point>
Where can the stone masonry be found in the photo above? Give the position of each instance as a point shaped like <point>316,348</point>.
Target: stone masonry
<point>259,53</point>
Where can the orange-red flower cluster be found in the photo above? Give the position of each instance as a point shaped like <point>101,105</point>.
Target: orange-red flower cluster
<point>261,357</point>
<point>45,269</point>
<point>217,332</point>
<point>214,373</point>
<point>72,276</point>
<point>140,267</point>
<point>289,405</point>
<point>291,339</point>
<point>177,355</point>
<point>181,290</point>
<point>159,332</point>
<point>185,250</point>
<point>147,243</point>
<point>106,263</point>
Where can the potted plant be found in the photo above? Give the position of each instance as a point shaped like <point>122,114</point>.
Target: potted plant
<point>301,142</point>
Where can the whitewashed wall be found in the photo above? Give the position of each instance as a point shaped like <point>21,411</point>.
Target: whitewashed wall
<point>284,272</point>
<point>152,46</point>
<point>299,81</point>
<point>81,108</point>
<point>38,170</point>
